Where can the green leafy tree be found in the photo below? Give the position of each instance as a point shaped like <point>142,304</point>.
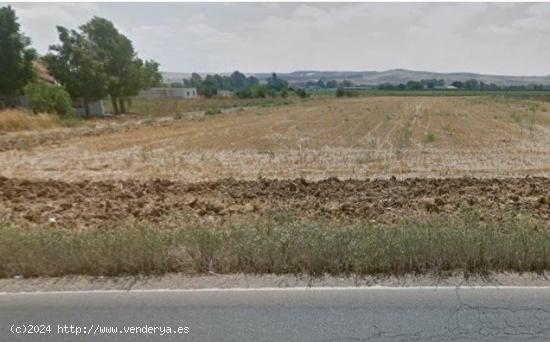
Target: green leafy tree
<point>75,64</point>
<point>208,87</point>
<point>100,61</point>
<point>46,98</point>
<point>16,68</point>
<point>140,76</point>
<point>151,76</point>
<point>118,53</point>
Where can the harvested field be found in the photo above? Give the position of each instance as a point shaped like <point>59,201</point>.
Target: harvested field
<point>355,138</point>
<point>107,203</point>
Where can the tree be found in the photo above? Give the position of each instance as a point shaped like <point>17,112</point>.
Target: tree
<point>196,80</point>
<point>276,83</point>
<point>151,76</point>
<point>16,58</point>
<point>100,61</point>
<point>413,85</point>
<point>457,84</point>
<point>207,87</point>
<point>76,65</point>
<point>118,53</point>
<point>332,84</point>
<point>252,81</point>
<point>238,80</point>
<point>139,76</point>
<point>472,84</point>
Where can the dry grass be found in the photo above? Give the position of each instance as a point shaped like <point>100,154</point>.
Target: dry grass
<point>322,137</point>
<point>468,242</point>
<point>19,120</point>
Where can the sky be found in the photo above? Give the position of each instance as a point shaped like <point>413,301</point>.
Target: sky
<point>489,38</point>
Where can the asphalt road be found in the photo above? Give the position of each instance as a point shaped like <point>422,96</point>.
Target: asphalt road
<point>283,315</point>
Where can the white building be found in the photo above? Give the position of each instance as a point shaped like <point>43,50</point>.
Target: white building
<point>169,93</point>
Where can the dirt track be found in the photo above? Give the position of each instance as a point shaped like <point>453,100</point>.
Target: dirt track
<point>94,204</point>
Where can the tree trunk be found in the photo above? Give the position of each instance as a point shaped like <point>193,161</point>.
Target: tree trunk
<point>122,105</point>
<point>115,105</point>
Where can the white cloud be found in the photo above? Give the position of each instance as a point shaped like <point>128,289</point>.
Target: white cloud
<point>478,37</point>
<point>39,20</point>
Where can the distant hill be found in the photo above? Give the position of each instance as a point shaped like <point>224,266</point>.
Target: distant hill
<point>394,76</point>
<point>397,76</point>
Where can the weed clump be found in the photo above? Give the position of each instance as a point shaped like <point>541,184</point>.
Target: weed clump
<point>429,138</point>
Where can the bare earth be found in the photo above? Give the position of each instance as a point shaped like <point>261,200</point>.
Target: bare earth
<point>102,203</point>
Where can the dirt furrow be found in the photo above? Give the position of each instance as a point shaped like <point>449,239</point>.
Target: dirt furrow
<point>93,204</point>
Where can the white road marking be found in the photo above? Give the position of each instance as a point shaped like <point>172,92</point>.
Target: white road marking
<point>276,289</point>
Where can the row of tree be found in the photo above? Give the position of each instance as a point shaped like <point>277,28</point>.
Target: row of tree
<point>414,85</point>
<point>471,84</point>
<point>480,85</point>
<point>243,86</point>
<point>211,84</point>
<point>92,63</point>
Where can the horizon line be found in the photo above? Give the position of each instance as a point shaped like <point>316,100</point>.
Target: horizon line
<point>358,71</point>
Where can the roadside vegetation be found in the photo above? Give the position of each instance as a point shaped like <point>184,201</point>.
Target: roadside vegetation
<point>468,242</point>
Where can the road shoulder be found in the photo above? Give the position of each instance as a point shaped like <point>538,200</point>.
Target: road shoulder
<point>244,281</point>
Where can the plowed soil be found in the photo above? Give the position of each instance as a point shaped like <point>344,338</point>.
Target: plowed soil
<point>101,203</point>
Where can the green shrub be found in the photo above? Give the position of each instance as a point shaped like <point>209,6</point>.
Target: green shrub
<point>50,99</point>
<point>430,137</point>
